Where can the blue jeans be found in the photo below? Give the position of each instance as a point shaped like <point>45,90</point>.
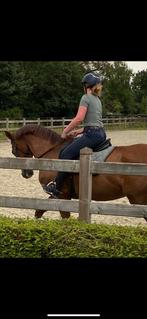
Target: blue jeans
<point>91,138</point>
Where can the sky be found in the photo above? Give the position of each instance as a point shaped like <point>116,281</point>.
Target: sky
<point>137,65</point>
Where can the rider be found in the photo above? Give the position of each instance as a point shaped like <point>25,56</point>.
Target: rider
<point>90,112</point>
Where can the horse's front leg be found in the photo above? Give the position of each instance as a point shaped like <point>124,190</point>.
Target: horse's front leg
<point>69,192</point>
<point>65,214</point>
<point>44,178</point>
<point>39,213</point>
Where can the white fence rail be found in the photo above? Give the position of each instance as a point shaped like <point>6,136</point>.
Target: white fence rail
<point>124,122</point>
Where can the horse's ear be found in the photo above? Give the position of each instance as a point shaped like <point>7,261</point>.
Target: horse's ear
<point>9,135</point>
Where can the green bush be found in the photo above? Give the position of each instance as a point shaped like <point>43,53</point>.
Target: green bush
<point>69,238</point>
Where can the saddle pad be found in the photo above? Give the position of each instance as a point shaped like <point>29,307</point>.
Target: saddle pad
<point>102,155</point>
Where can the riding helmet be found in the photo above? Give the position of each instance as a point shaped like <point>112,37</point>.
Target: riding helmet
<point>90,79</point>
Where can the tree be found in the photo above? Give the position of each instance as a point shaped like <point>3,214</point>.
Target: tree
<point>139,87</point>
<point>116,85</point>
<point>56,88</point>
<point>143,105</point>
<point>14,88</point>
<point>53,88</point>
<point>117,107</point>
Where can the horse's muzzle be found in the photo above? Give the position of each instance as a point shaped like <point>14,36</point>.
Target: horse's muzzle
<point>27,173</point>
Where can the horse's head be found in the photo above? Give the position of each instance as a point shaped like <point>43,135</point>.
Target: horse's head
<point>20,149</point>
<point>33,140</point>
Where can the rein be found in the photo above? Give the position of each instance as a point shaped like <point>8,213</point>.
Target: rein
<point>50,149</point>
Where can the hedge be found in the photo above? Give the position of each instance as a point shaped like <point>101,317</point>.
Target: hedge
<point>69,238</point>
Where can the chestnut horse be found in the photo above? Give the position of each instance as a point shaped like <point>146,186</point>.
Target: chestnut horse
<point>41,142</point>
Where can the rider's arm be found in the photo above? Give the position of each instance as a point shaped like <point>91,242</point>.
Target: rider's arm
<point>76,121</point>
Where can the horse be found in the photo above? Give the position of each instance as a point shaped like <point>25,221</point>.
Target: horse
<point>41,142</point>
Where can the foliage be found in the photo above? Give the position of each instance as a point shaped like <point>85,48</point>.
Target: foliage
<point>56,88</point>
<point>15,113</point>
<point>71,238</point>
<point>117,87</point>
<point>53,88</point>
<point>143,105</point>
<point>139,85</point>
<point>15,86</point>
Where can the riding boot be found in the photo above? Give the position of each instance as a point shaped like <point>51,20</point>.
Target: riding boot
<point>53,188</point>
<point>60,178</point>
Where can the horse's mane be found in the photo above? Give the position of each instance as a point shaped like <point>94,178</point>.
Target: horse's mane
<point>40,131</point>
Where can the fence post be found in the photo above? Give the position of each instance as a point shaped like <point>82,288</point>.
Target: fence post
<point>85,185</point>
<point>24,121</point>
<point>63,122</point>
<point>125,122</point>
<point>38,121</point>
<point>7,123</point>
<point>52,122</point>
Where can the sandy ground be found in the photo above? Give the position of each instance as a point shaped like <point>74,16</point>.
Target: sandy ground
<point>13,184</point>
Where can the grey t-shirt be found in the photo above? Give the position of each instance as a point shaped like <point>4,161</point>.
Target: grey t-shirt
<point>94,110</point>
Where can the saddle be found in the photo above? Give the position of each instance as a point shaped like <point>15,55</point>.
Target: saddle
<point>102,146</point>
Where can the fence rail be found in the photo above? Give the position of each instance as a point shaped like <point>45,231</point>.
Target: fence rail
<point>100,208</point>
<point>73,166</point>
<point>109,122</point>
<point>84,206</point>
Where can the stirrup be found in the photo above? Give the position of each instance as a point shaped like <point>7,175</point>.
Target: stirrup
<point>50,189</point>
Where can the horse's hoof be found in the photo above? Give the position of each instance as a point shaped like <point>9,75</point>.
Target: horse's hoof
<point>38,214</point>
<point>65,214</point>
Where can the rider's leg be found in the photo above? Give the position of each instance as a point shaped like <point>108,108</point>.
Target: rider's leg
<point>90,138</point>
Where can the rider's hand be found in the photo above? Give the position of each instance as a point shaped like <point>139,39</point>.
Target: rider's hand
<point>64,135</point>
<point>72,134</point>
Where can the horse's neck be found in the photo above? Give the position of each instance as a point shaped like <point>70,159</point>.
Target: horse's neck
<point>38,145</point>
<point>43,148</point>
<point>56,149</point>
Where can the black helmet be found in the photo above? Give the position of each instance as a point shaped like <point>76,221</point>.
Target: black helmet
<point>91,79</point>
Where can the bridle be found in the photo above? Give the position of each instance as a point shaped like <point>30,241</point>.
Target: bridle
<point>15,150</point>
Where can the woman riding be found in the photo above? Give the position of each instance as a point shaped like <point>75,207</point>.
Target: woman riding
<point>93,133</point>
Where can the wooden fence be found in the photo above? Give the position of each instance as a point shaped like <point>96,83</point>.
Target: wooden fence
<point>118,122</point>
<point>84,206</point>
